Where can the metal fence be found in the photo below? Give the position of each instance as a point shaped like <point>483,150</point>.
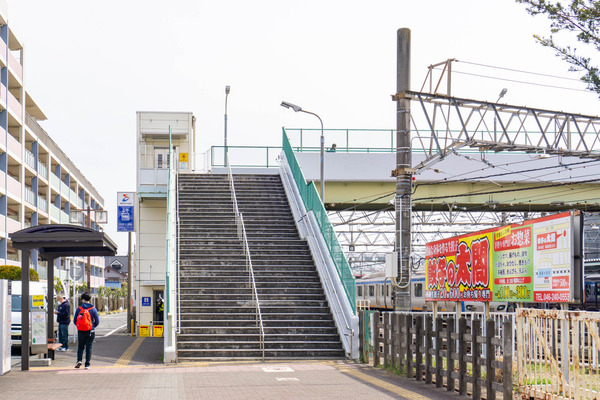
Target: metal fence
<point>558,354</point>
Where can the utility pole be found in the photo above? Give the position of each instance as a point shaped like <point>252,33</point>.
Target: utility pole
<point>403,173</point>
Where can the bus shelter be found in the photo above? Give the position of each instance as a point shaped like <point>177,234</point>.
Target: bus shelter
<point>52,242</point>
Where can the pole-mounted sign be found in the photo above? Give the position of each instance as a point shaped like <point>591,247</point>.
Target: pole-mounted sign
<point>125,211</point>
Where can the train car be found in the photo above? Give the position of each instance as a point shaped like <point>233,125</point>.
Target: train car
<point>375,292</point>
<point>592,292</point>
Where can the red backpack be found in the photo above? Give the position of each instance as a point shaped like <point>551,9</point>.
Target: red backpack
<point>84,320</point>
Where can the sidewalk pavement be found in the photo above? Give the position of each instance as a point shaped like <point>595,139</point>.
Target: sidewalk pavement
<point>131,368</point>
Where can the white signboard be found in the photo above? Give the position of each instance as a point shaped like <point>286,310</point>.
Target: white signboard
<point>38,327</point>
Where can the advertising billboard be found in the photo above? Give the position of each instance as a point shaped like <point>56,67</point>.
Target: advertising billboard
<point>536,261</point>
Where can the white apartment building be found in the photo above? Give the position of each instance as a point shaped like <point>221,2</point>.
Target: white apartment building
<point>38,183</point>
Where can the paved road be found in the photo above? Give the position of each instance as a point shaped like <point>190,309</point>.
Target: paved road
<point>125,367</point>
<point>111,323</point>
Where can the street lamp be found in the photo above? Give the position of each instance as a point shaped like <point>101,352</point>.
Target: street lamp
<point>225,153</point>
<point>76,216</point>
<point>299,109</point>
<point>501,95</point>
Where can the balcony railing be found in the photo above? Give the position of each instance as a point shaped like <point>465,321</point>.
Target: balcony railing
<point>73,199</point>
<point>14,146</point>
<point>54,212</point>
<point>14,105</point>
<point>42,204</point>
<point>13,186</point>
<point>15,65</point>
<point>12,225</point>
<point>30,196</point>
<point>42,170</point>
<point>30,159</point>
<point>55,181</point>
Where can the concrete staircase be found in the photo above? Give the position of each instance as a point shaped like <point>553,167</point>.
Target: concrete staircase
<point>218,317</point>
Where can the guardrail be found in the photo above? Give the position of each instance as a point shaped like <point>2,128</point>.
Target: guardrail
<point>312,202</point>
<point>241,232</point>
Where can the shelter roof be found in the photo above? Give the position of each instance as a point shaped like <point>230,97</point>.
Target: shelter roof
<point>54,241</point>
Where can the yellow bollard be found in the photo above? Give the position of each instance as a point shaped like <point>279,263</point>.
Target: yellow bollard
<point>132,328</point>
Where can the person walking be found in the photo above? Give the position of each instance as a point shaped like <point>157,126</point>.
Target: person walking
<point>63,317</point>
<point>86,319</point>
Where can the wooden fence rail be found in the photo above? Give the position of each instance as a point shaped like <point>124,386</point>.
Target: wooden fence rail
<point>443,351</point>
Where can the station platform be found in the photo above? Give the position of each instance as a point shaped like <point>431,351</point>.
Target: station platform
<point>125,367</point>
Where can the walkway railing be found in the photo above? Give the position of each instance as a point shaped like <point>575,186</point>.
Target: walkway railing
<point>312,202</point>
<point>170,330</point>
<point>558,354</point>
<point>241,232</point>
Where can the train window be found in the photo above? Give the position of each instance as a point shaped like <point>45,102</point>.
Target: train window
<point>359,288</point>
<point>588,290</point>
<point>371,291</point>
<point>387,289</point>
<point>419,290</point>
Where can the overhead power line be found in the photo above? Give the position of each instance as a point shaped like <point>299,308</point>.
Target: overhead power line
<point>509,190</point>
<point>519,71</point>
<point>445,180</point>
<point>516,81</point>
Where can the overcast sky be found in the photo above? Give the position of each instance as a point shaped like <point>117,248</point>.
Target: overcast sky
<point>91,65</point>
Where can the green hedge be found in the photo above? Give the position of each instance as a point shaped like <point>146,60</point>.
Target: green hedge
<point>13,273</point>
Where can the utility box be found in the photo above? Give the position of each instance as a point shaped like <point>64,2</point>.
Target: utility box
<point>5,324</point>
<point>391,265</point>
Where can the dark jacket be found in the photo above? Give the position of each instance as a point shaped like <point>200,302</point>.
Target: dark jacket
<point>64,313</point>
<point>93,314</point>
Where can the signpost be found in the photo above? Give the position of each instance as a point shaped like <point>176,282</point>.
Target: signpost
<point>125,223</point>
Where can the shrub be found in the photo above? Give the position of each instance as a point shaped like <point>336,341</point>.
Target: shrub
<point>13,273</point>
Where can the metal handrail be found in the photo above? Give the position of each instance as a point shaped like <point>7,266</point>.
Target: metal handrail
<point>329,280</point>
<point>241,230</point>
<point>177,264</point>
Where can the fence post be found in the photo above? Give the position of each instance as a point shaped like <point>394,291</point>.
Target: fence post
<point>439,362</point>
<point>476,352</point>
<point>361,335</point>
<point>409,358</point>
<point>418,347</point>
<point>450,345</point>
<point>462,356</point>
<point>393,339</point>
<point>376,360</point>
<point>489,360</point>
<point>428,346</point>
<point>386,339</point>
<point>507,377</point>
<point>400,326</point>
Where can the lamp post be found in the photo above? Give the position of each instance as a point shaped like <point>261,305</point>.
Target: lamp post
<point>299,109</point>
<point>83,216</point>
<point>227,88</point>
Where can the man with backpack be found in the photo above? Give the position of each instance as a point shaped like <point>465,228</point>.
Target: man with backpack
<point>86,319</point>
